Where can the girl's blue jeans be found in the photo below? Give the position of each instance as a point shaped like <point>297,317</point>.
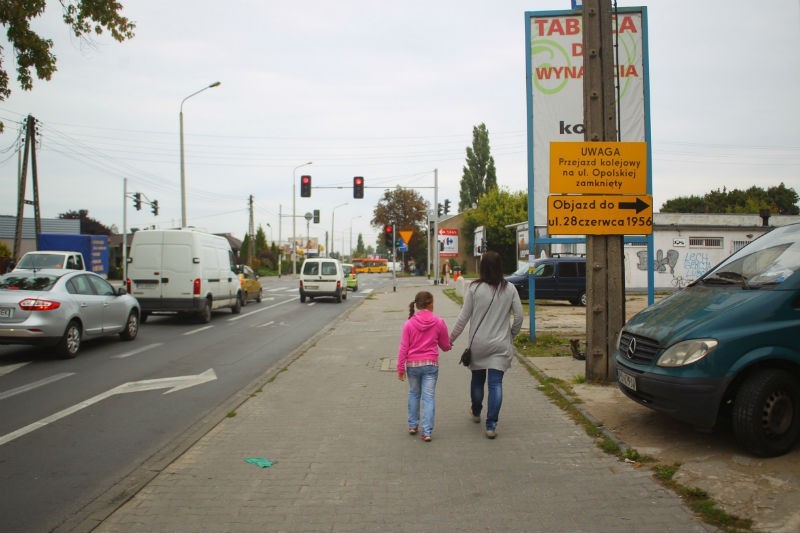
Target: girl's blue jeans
<point>422,385</point>
<point>495,395</point>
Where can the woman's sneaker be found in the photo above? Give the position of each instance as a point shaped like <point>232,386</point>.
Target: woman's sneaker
<point>491,433</point>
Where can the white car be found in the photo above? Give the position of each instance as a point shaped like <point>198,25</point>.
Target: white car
<point>61,308</point>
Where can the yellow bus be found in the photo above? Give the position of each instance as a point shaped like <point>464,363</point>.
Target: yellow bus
<point>369,265</point>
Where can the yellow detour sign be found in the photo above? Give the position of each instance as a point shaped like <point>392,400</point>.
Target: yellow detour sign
<point>600,214</point>
<point>598,167</point>
<point>406,235</point>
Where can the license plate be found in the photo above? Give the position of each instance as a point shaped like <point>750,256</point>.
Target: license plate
<point>626,379</point>
<point>312,287</point>
<point>6,312</point>
<point>146,284</point>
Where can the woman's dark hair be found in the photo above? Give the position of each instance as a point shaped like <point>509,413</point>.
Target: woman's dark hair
<point>422,300</point>
<point>491,270</point>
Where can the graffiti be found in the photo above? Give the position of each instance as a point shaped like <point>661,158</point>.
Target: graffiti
<point>695,264</point>
<point>678,282</point>
<point>661,261</point>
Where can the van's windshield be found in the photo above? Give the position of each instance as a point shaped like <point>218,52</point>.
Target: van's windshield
<point>764,263</point>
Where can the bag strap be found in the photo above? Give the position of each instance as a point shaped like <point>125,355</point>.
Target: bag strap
<point>481,320</point>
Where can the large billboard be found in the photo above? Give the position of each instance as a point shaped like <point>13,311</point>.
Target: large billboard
<point>554,57</point>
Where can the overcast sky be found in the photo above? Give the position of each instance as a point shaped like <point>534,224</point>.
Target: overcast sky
<point>385,91</point>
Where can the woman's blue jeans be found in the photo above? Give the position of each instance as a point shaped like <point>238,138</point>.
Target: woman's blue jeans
<point>495,395</point>
<point>422,384</point>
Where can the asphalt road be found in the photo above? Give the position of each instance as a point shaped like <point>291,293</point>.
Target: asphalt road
<point>70,430</point>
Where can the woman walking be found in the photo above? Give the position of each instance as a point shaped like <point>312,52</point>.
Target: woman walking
<point>487,304</point>
<point>418,358</point>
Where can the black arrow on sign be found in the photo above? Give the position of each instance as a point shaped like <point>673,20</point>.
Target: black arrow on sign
<point>640,205</point>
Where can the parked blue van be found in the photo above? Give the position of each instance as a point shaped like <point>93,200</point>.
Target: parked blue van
<point>726,345</point>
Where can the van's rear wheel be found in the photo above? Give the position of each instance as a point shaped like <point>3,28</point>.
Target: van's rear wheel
<point>205,313</point>
<point>766,413</point>
<point>339,297</point>
<point>237,307</point>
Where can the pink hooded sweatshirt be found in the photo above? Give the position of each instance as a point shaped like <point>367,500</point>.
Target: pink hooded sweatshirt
<point>423,335</point>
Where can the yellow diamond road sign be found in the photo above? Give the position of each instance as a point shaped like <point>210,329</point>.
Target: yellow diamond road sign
<point>600,214</point>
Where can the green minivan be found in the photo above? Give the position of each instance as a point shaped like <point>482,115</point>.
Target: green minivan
<point>728,345</point>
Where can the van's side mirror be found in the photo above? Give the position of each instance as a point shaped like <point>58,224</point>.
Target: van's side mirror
<point>129,260</point>
<point>196,260</point>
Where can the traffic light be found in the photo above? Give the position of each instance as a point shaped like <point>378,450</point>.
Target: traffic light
<point>358,187</point>
<point>305,186</point>
<point>154,207</point>
<point>137,201</point>
<point>316,216</point>
<point>439,212</point>
<point>388,234</point>
<point>446,206</point>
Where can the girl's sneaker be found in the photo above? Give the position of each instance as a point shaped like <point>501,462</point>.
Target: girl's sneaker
<point>412,431</point>
<point>426,438</point>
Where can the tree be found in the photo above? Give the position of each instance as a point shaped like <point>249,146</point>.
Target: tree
<point>479,174</point>
<point>360,250</point>
<point>779,200</point>
<point>497,209</point>
<point>33,52</point>
<point>409,212</point>
<point>89,226</point>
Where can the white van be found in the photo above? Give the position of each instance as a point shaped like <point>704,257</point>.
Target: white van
<point>322,276</point>
<point>182,271</point>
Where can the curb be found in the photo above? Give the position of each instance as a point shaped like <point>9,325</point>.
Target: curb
<point>623,446</point>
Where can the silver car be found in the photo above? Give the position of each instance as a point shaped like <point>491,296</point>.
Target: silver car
<point>61,308</point>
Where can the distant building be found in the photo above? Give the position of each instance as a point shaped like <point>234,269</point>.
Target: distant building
<point>8,228</point>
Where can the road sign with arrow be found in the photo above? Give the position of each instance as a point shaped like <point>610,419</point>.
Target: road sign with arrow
<point>592,214</point>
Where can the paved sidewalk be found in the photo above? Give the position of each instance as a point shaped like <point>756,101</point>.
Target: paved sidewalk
<point>334,424</point>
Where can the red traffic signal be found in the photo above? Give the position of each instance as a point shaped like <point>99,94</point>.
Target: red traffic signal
<point>305,186</point>
<point>388,235</point>
<point>358,187</point>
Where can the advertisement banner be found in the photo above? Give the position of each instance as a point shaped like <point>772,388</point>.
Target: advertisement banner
<point>555,88</point>
<point>448,242</point>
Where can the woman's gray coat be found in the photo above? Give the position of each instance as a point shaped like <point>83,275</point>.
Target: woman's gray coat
<point>492,345</point>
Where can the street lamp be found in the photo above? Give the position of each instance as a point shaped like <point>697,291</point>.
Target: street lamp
<point>333,211</point>
<point>183,170</point>
<point>294,215</point>
<point>270,232</point>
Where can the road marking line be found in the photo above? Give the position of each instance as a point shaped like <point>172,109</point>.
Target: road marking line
<point>174,384</point>
<point>368,291</point>
<point>267,324</point>
<point>7,369</point>
<point>35,385</point>
<point>134,352</point>
<point>198,330</point>
<point>260,309</point>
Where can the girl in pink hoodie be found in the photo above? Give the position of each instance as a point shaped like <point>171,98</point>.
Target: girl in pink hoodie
<point>418,358</point>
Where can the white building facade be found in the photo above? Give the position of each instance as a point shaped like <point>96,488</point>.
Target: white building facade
<point>685,246</point>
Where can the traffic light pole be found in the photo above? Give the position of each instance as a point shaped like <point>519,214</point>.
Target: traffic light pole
<point>436,227</point>
<point>394,257</point>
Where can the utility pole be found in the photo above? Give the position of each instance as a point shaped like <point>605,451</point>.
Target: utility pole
<point>604,265</point>
<point>30,151</point>
<point>252,240</point>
